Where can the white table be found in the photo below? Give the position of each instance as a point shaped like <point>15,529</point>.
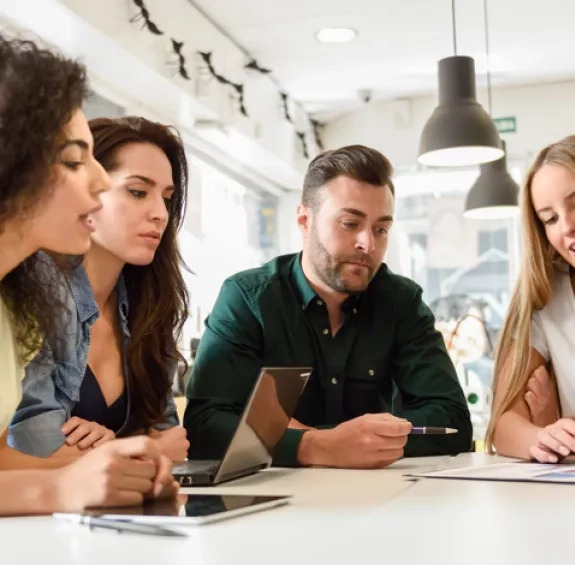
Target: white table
<point>336,517</point>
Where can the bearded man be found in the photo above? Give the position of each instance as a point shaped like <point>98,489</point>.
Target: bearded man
<point>379,365</point>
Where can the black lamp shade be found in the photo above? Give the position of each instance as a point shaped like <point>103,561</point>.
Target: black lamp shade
<point>459,132</point>
<point>494,194</point>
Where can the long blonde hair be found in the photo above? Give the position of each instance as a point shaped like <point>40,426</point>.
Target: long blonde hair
<point>532,290</point>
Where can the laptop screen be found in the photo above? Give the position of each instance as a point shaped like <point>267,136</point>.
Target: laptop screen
<point>265,418</point>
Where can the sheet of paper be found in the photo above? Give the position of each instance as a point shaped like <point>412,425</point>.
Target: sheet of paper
<point>531,472</point>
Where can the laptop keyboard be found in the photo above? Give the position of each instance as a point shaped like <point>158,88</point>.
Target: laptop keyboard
<point>194,467</point>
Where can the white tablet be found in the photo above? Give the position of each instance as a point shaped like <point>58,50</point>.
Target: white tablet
<point>192,509</point>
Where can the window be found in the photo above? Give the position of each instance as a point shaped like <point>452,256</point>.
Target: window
<point>228,228</point>
<point>445,253</point>
<point>465,267</point>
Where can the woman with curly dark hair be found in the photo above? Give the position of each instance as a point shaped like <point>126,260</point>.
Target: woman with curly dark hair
<point>50,186</point>
<point>113,376</point>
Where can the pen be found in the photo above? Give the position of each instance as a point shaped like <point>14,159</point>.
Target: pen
<point>430,430</point>
<point>119,526</point>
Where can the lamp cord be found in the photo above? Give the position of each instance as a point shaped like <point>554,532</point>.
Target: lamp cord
<point>486,22</point>
<point>453,27</point>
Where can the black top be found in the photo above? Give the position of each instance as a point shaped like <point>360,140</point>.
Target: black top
<point>92,405</point>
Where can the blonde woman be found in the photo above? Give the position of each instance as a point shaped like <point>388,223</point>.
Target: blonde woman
<point>533,413</point>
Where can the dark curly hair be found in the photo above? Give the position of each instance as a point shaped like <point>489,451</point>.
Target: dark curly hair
<point>39,92</point>
<point>157,292</point>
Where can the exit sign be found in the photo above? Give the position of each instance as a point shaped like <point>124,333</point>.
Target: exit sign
<point>507,124</point>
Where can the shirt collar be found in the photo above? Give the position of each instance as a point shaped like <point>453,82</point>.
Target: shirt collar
<point>84,296</point>
<point>304,290</point>
<point>122,294</point>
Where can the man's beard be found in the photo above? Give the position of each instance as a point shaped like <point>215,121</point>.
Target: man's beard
<point>332,270</point>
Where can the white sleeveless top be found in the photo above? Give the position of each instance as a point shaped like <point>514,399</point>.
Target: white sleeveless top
<point>553,336</point>
<point>11,371</point>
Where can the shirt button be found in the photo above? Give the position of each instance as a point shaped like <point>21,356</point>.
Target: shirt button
<point>371,372</point>
<point>319,303</point>
<point>334,381</point>
<point>325,332</point>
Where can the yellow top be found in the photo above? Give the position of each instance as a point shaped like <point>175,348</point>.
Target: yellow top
<point>11,370</point>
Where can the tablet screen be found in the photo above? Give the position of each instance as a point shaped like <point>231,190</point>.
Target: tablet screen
<point>193,508</point>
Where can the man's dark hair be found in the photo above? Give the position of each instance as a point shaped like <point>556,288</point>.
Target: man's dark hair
<point>357,162</point>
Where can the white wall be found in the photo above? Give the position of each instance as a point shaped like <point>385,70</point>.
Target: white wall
<point>131,66</point>
<point>545,113</point>
<point>289,233</point>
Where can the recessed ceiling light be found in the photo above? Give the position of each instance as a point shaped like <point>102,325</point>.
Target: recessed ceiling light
<point>335,34</point>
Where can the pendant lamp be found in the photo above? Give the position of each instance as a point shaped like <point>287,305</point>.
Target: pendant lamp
<point>494,194</point>
<point>459,132</point>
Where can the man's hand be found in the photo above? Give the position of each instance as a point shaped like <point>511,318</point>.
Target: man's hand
<point>120,473</point>
<point>173,442</point>
<point>85,434</point>
<point>371,441</point>
<point>541,398</point>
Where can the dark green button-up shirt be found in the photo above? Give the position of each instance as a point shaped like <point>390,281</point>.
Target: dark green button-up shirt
<point>386,357</point>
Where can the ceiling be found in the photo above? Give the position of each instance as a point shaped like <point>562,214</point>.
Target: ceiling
<point>398,45</point>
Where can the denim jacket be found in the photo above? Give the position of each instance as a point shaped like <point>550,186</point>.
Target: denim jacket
<point>51,386</point>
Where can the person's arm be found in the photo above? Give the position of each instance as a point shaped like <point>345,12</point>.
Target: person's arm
<point>425,376</point>
<point>173,442</point>
<point>26,493</point>
<point>227,364</point>
<point>120,473</point>
<point>169,435</point>
<point>36,428</point>
<point>542,398</point>
<point>515,433</point>
<point>541,395</point>
<point>12,459</point>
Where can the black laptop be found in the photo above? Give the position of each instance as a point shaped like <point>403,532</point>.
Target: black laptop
<point>265,419</point>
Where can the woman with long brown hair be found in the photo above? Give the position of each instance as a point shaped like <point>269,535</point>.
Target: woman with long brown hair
<point>50,184</point>
<point>537,344</point>
<point>112,375</point>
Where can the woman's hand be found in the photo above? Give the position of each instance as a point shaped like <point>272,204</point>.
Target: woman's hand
<point>85,434</point>
<point>122,472</point>
<point>173,442</point>
<point>554,441</point>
